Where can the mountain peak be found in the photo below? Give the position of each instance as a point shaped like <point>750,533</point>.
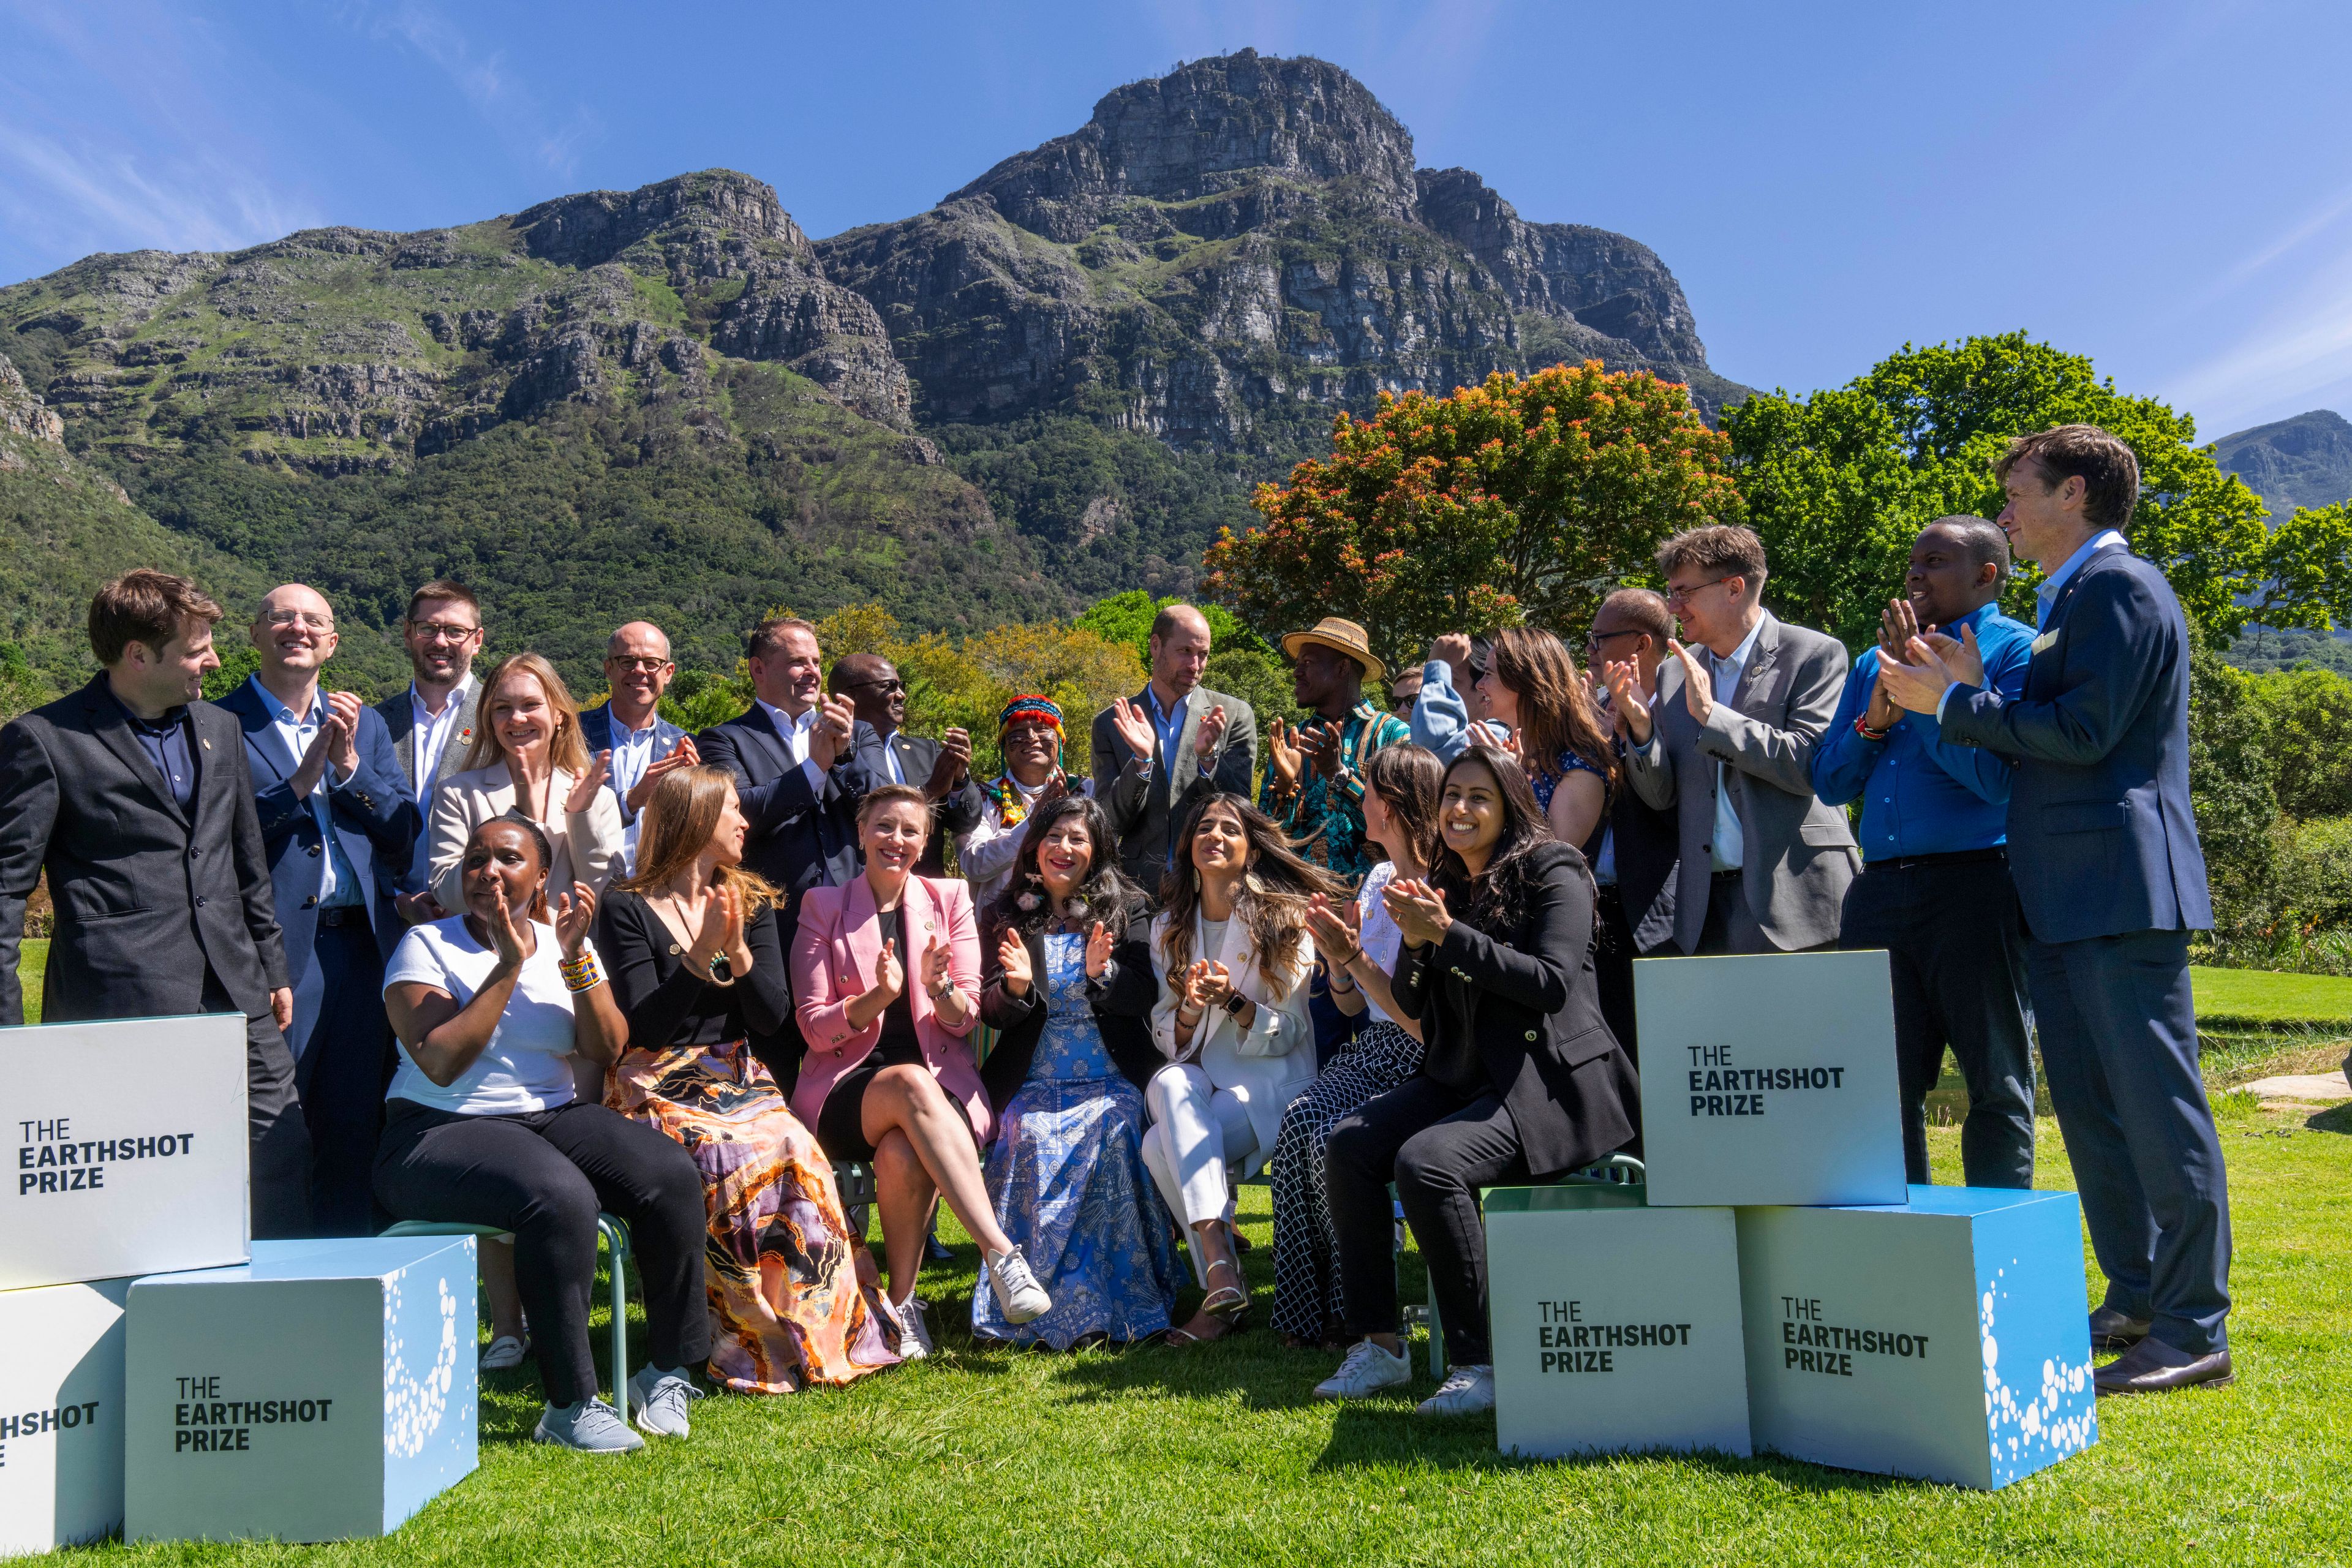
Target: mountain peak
<point>2303,461</point>
<point>593,226</point>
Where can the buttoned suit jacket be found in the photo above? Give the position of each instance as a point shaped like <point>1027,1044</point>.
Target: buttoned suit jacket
<point>149,896</point>
<point>400,724</point>
<point>1150,798</point>
<point>1798,855</point>
<point>957,812</point>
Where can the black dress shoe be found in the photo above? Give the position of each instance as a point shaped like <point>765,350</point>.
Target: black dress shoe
<point>937,1251</point>
<point>2152,1366</point>
<point>2114,1331</point>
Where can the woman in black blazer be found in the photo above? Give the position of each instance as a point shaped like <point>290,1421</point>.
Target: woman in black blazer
<point>1069,985</point>
<point>1521,1079</point>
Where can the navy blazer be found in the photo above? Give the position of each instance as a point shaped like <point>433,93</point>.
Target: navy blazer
<point>596,730</point>
<point>149,896</point>
<point>958,812</point>
<point>2101,837</point>
<point>374,802</point>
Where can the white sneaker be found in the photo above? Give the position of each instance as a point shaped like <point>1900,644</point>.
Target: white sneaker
<point>659,1400</point>
<point>909,1335</point>
<point>1467,1391</point>
<point>590,1426</point>
<point>1367,1370</point>
<point>504,1354</point>
<point>1017,1290</point>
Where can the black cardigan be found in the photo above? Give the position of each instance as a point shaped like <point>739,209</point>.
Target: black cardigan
<point>1534,1011</point>
<point>665,1003</point>
<point>1121,1006</point>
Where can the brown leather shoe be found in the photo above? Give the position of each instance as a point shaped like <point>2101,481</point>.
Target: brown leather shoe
<point>2114,1331</point>
<point>2152,1366</point>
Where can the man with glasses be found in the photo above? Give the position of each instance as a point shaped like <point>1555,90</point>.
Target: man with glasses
<point>941,769</point>
<point>431,723</point>
<point>628,724</point>
<point>1727,745</point>
<point>333,804</point>
<point>1635,868</point>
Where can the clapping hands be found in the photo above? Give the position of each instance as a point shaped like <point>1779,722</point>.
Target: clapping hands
<point>585,788</point>
<point>574,913</point>
<point>1419,910</point>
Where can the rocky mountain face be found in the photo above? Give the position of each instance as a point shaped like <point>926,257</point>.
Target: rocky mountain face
<point>2305,461</point>
<point>1222,256</point>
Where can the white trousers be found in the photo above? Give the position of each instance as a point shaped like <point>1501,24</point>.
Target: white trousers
<point>1197,1131</point>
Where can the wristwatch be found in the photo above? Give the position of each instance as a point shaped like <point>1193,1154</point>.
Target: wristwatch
<point>1235,1003</point>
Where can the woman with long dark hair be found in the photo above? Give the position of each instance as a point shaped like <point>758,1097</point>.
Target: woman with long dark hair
<point>1357,942</point>
<point>1232,956</point>
<point>1519,1079</point>
<point>1069,986</point>
<point>1533,684</point>
<point>698,966</point>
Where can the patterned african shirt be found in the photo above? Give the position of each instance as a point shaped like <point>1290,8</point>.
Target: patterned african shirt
<point>1330,813</point>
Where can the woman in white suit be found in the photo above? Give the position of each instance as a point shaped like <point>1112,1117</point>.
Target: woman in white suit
<point>1233,955</point>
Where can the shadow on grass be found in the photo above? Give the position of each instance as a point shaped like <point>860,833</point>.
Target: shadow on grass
<point>2335,1119</point>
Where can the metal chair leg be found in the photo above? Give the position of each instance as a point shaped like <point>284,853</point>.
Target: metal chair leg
<point>615,1237</point>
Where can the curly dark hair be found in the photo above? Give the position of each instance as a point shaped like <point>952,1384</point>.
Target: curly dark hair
<point>1491,901</point>
<point>1273,907</point>
<point>1108,896</point>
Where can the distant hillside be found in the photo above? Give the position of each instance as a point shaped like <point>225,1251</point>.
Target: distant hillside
<point>2305,461</point>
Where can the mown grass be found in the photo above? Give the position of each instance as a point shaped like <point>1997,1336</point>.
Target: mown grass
<point>2241,998</point>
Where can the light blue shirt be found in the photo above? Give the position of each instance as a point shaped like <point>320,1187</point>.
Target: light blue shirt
<point>341,884</point>
<point>2047,593</point>
<point>1729,852</point>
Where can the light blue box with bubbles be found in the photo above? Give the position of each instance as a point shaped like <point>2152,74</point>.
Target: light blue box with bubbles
<point>325,1391</point>
<point>1945,1338</point>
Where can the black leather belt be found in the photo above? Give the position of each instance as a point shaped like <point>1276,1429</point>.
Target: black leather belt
<point>1953,858</point>
<point>344,915</point>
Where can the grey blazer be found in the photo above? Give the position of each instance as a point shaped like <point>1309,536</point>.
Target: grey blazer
<point>1150,798</point>
<point>1799,853</point>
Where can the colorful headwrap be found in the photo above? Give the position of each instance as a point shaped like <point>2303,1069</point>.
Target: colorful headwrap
<point>1002,790</point>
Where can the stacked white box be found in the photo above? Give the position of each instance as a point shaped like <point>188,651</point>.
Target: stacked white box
<point>61,1414</point>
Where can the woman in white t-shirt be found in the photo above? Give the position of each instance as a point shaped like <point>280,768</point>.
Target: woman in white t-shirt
<point>482,1125</point>
<point>1359,943</point>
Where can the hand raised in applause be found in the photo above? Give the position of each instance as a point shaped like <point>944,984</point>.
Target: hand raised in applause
<point>1098,951</point>
<point>1931,664</point>
<point>1629,704</point>
<point>830,736</point>
<point>1283,750</point>
<point>1419,910</point>
<point>1698,681</point>
<point>937,957</point>
<point>585,788</point>
<point>682,756</point>
<point>574,913</point>
<point>889,974</point>
<point>1318,742</point>
<point>1338,929</point>
<point>1208,736</point>
<point>955,760</point>
<point>721,932</point>
<point>1134,727</point>
<point>1013,958</point>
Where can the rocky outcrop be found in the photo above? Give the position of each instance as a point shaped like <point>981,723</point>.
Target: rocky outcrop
<point>1226,254</point>
<point>2305,461</point>
<point>22,414</point>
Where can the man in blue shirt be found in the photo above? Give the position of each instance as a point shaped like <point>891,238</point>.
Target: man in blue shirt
<point>1935,889</point>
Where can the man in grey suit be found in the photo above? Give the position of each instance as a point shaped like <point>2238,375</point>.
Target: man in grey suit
<point>1158,756</point>
<point>1727,744</point>
<point>133,795</point>
<point>431,723</point>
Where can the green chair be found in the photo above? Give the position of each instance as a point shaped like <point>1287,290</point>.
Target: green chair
<point>615,1237</point>
<point>855,1184</point>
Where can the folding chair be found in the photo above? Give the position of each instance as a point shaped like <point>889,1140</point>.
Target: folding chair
<point>613,1236</point>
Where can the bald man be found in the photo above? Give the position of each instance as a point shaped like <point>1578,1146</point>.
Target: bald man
<point>941,769</point>
<point>333,802</point>
<point>1158,756</point>
<point>644,744</point>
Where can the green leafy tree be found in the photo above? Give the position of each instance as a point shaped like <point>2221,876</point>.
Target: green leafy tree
<point>1529,498</point>
<point>2233,789</point>
<point>1840,482</point>
<point>1125,618</point>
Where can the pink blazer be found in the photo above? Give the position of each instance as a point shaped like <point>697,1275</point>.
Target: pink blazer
<point>835,955</point>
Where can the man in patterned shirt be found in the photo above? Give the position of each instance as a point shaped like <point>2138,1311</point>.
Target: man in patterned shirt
<point>1314,776</point>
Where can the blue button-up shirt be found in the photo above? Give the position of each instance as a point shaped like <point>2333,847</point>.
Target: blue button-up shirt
<point>1921,796</point>
<point>1170,726</point>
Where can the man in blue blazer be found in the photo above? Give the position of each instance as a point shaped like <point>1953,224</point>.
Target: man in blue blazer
<point>793,754</point>
<point>333,804</point>
<point>628,724</point>
<point>2104,849</point>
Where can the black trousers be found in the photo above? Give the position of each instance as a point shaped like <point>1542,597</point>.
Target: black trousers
<point>543,1174</point>
<point>1955,945</point>
<point>1440,1146</point>
<point>343,1072</point>
<point>1612,968</point>
<point>277,1141</point>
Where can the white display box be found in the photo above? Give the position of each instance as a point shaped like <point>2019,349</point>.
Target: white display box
<point>1616,1326</point>
<point>1945,1338</point>
<point>324,1391</point>
<point>1769,1079</point>
<point>126,1149</point>
<point>61,1414</point>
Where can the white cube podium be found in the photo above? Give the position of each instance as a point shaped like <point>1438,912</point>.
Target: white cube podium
<point>323,1391</point>
<point>1769,1079</point>
<point>61,1414</point>
<point>1616,1326</point>
<point>127,1149</point>
<point>1945,1338</point>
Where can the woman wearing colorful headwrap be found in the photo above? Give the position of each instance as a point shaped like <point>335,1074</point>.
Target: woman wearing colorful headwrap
<point>1029,733</point>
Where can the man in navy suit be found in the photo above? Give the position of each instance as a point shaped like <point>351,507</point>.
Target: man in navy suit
<point>794,753</point>
<point>332,806</point>
<point>432,722</point>
<point>2104,850</point>
<point>629,726</point>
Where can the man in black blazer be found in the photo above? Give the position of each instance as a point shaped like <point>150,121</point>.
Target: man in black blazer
<point>133,795</point>
<point>793,755</point>
<point>941,769</point>
<point>2102,847</point>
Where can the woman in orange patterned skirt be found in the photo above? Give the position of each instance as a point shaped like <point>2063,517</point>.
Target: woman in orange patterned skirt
<point>695,964</point>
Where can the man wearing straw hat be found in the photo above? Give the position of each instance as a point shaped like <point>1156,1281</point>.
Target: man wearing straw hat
<point>1314,777</point>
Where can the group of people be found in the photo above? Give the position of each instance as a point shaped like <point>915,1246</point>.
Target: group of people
<point>509,964</point>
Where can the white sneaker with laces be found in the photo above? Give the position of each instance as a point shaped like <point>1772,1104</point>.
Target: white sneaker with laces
<point>903,1325</point>
<point>1367,1370</point>
<point>1467,1391</point>
<point>504,1354</point>
<point>658,1399</point>
<point>1017,1290</point>
<point>590,1426</point>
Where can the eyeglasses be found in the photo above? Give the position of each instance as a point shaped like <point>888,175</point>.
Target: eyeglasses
<point>317,622</point>
<point>887,687</point>
<point>1595,641</point>
<point>1683,596</point>
<point>442,631</point>
<point>641,661</point>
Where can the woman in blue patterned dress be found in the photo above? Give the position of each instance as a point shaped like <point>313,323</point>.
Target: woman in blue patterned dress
<point>1533,684</point>
<point>1069,994</point>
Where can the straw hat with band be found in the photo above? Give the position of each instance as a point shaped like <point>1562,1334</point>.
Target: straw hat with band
<point>1345,636</point>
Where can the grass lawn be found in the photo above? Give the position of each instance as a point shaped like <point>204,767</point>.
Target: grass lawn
<point>32,960</point>
<point>2241,998</point>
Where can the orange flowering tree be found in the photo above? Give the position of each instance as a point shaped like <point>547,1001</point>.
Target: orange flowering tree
<point>1528,499</point>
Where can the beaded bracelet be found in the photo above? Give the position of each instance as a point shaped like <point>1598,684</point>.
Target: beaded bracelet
<point>581,974</point>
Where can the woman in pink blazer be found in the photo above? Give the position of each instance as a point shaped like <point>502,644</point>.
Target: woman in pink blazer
<point>886,979</point>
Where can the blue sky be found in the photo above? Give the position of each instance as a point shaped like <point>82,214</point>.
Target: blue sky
<point>2166,187</point>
